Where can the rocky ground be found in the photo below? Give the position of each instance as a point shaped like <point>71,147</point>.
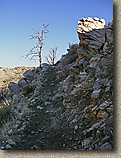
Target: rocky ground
<point>69,105</point>
<point>8,75</point>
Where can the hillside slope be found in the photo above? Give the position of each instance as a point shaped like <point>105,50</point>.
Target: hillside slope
<point>69,105</point>
<point>8,75</point>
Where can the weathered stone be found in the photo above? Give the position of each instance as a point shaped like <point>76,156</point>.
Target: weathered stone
<point>14,87</point>
<point>2,147</point>
<point>102,114</point>
<point>11,142</point>
<point>105,139</point>
<point>98,84</point>
<point>109,32</point>
<point>21,129</point>
<point>82,52</point>
<point>39,107</point>
<point>96,125</point>
<point>91,32</point>
<point>94,62</point>
<point>28,74</point>
<point>103,105</point>
<point>10,132</point>
<point>76,127</point>
<point>83,76</point>
<point>110,110</point>
<point>8,146</point>
<point>22,82</point>
<point>95,94</point>
<point>106,146</point>
<point>75,70</point>
<point>46,103</point>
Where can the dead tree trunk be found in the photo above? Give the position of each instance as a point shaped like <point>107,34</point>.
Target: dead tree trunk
<point>37,50</point>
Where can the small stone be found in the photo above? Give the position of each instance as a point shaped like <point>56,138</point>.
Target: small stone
<point>2,142</point>
<point>106,146</point>
<point>95,94</point>
<point>11,142</point>
<point>74,120</point>
<point>83,75</point>
<point>107,89</point>
<point>47,103</point>
<point>39,107</point>
<point>8,146</point>
<point>75,147</point>
<point>103,106</point>
<point>47,111</point>
<point>32,100</point>
<point>96,125</point>
<point>21,129</point>
<point>85,64</point>
<point>76,127</point>
<point>35,147</point>
<point>98,84</point>
<point>2,147</point>
<point>10,132</point>
<point>106,138</point>
<point>110,110</point>
<point>99,143</point>
<point>102,114</point>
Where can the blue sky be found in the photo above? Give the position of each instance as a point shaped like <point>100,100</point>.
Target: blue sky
<point>19,17</point>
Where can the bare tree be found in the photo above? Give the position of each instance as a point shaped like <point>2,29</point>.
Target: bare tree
<point>52,56</point>
<point>36,51</point>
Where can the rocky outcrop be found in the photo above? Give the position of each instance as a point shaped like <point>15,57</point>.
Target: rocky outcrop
<point>69,105</point>
<point>91,32</point>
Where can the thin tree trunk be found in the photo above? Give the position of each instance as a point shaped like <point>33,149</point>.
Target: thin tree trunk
<point>40,56</point>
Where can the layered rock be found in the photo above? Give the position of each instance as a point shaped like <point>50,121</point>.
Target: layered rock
<point>91,32</point>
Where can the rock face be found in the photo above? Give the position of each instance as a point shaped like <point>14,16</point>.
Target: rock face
<point>67,106</point>
<point>91,32</point>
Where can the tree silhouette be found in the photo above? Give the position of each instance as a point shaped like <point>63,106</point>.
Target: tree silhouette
<point>36,51</point>
<point>52,56</point>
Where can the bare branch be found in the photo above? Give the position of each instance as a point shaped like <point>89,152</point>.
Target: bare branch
<point>52,56</point>
<point>37,46</point>
<point>33,57</point>
<point>48,61</point>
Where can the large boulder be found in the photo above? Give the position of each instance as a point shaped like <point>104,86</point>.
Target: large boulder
<point>91,32</point>
<point>22,82</point>
<point>14,88</point>
<point>28,74</point>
